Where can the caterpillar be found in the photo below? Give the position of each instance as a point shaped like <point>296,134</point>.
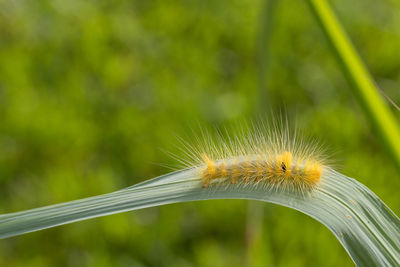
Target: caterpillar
<point>276,158</point>
<point>279,170</point>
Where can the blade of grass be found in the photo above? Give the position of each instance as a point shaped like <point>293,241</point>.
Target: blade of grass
<point>363,224</point>
<point>354,69</point>
<point>264,37</point>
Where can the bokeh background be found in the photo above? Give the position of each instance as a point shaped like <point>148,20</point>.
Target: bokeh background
<point>92,92</point>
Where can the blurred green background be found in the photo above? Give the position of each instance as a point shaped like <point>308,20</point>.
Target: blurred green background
<point>92,92</point>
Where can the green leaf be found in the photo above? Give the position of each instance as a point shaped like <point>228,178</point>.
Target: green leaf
<point>362,223</point>
<point>358,75</point>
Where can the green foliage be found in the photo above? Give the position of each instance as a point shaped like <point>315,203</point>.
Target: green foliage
<point>90,90</point>
<point>364,88</point>
<point>361,222</point>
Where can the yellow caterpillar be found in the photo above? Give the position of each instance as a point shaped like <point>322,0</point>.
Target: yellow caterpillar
<point>273,158</point>
<point>279,170</point>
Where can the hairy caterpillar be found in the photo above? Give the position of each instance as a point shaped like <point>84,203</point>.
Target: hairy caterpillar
<point>278,170</point>
<point>274,158</point>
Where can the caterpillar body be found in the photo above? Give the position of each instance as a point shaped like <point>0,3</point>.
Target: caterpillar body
<point>280,170</point>
<point>275,158</point>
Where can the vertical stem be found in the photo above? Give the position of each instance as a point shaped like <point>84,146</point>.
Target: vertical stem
<point>355,70</point>
<point>255,245</point>
<point>263,53</point>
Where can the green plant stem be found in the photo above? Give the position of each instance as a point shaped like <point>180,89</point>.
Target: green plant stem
<point>362,83</point>
<point>264,40</point>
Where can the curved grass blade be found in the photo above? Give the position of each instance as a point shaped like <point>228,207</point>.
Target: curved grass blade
<point>363,224</point>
